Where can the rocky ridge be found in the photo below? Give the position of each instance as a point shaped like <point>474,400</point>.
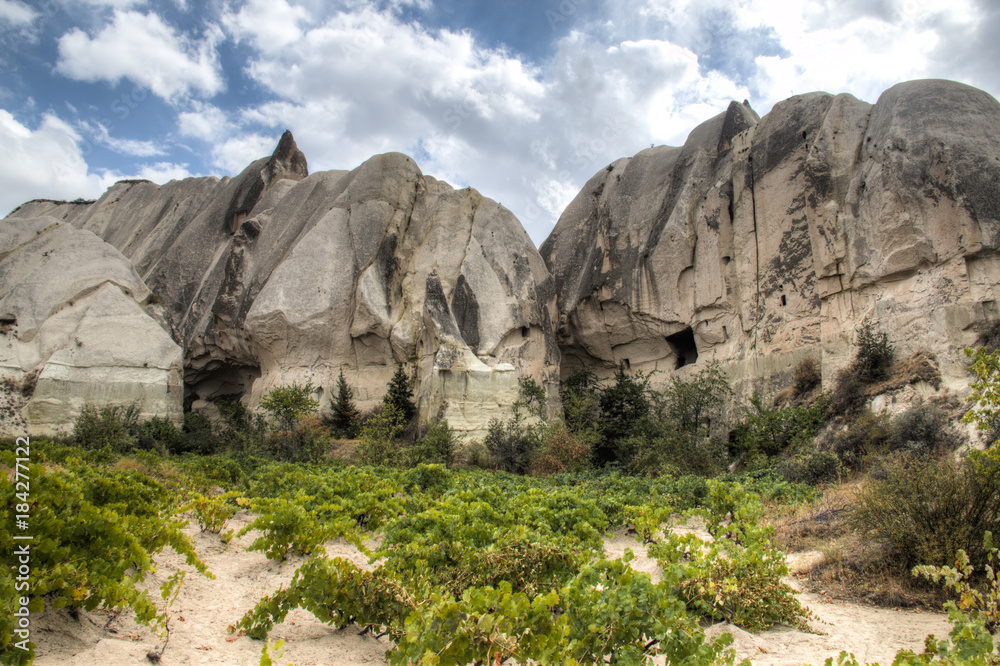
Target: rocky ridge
<point>760,242</point>
<point>763,241</point>
<point>279,276</point>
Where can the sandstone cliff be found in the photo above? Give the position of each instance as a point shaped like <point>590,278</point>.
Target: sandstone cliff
<point>763,241</point>
<point>279,276</point>
<point>759,242</point>
<point>73,330</point>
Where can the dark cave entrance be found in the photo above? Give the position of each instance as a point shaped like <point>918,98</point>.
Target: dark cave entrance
<point>683,346</point>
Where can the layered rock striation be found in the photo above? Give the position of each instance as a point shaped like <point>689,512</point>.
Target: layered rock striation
<point>762,241</point>
<point>279,276</point>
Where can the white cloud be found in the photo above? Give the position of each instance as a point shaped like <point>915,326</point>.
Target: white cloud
<point>46,162</point>
<point>147,51</point>
<point>235,154</point>
<point>363,82</point>
<point>117,4</point>
<point>161,172</point>
<point>354,81</point>
<point>131,147</point>
<point>205,122</point>
<point>16,13</point>
<point>270,24</point>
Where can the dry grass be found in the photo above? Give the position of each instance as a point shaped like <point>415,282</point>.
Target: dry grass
<point>851,568</point>
<point>809,527</point>
<point>920,367</point>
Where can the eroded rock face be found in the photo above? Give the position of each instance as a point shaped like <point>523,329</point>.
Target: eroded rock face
<point>761,242</point>
<point>74,330</point>
<point>279,276</point>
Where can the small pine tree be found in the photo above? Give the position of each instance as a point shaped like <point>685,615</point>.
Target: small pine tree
<point>400,394</point>
<point>344,417</point>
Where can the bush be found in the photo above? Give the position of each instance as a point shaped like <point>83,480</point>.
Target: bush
<point>563,450</point>
<point>624,405</point>
<point>921,430</point>
<point>437,447</point>
<point>677,453</point>
<point>849,395</point>
<point>579,400</point>
<point>400,394</point>
<point>532,397</point>
<point>868,434</point>
<point>814,468</point>
<point>985,397</point>
<point>378,435</point>
<point>308,441</point>
<point>243,433</point>
<point>695,406</point>
<point>929,509</point>
<point>511,444</point>
<point>198,436</point>
<point>685,434</point>
<point>808,376</point>
<point>874,356</point>
<point>288,404</point>
<point>344,416</point>
<point>159,435</point>
<point>770,431</point>
<point>113,426</point>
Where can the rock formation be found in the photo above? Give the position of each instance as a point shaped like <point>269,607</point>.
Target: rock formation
<point>764,241</point>
<point>760,242</point>
<point>279,276</point>
<point>74,331</point>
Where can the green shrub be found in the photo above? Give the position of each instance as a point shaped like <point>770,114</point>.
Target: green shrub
<point>308,441</point>
<point>243,433</point>
<point>113,426</point>
<point>814,468</point>
<point>624,404</point>
<point>737,575</point>
<point>400,394</point>
<point>875,355</point>
<point>511,445</point>
<point>677,453</point>
<point>923,429</point>
<point>770,431</point>
<point>436,447</point>
<point>985,397</point>
<point>578,393</point>
<point>532,397</point>
<point>564,450</point>
<point>695,406</point>
<point>378,435</point>
<point>929,509</point>
<point>684,433</point>
<point>160,435</point>
<point>808,376</point>
<point>868,434</point>
<point>288,404</point>
<point>197,435</point>
<point>344,416</point>
<point>849,394</point>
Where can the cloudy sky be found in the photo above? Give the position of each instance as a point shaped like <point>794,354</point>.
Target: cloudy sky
<point>522,100</point>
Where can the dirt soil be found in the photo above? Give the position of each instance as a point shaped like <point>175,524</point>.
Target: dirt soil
<point>204,609</point>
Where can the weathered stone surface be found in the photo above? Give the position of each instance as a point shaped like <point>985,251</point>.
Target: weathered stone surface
<point>277,276</point>
<point>773,241</point>
<point>73,327</point>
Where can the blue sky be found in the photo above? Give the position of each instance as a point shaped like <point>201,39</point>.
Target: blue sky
<point>522,100</point>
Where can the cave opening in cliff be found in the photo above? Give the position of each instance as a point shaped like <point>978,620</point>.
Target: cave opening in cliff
<point>683,346</point>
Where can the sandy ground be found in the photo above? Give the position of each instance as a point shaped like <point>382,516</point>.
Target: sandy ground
<point>205,608</point>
